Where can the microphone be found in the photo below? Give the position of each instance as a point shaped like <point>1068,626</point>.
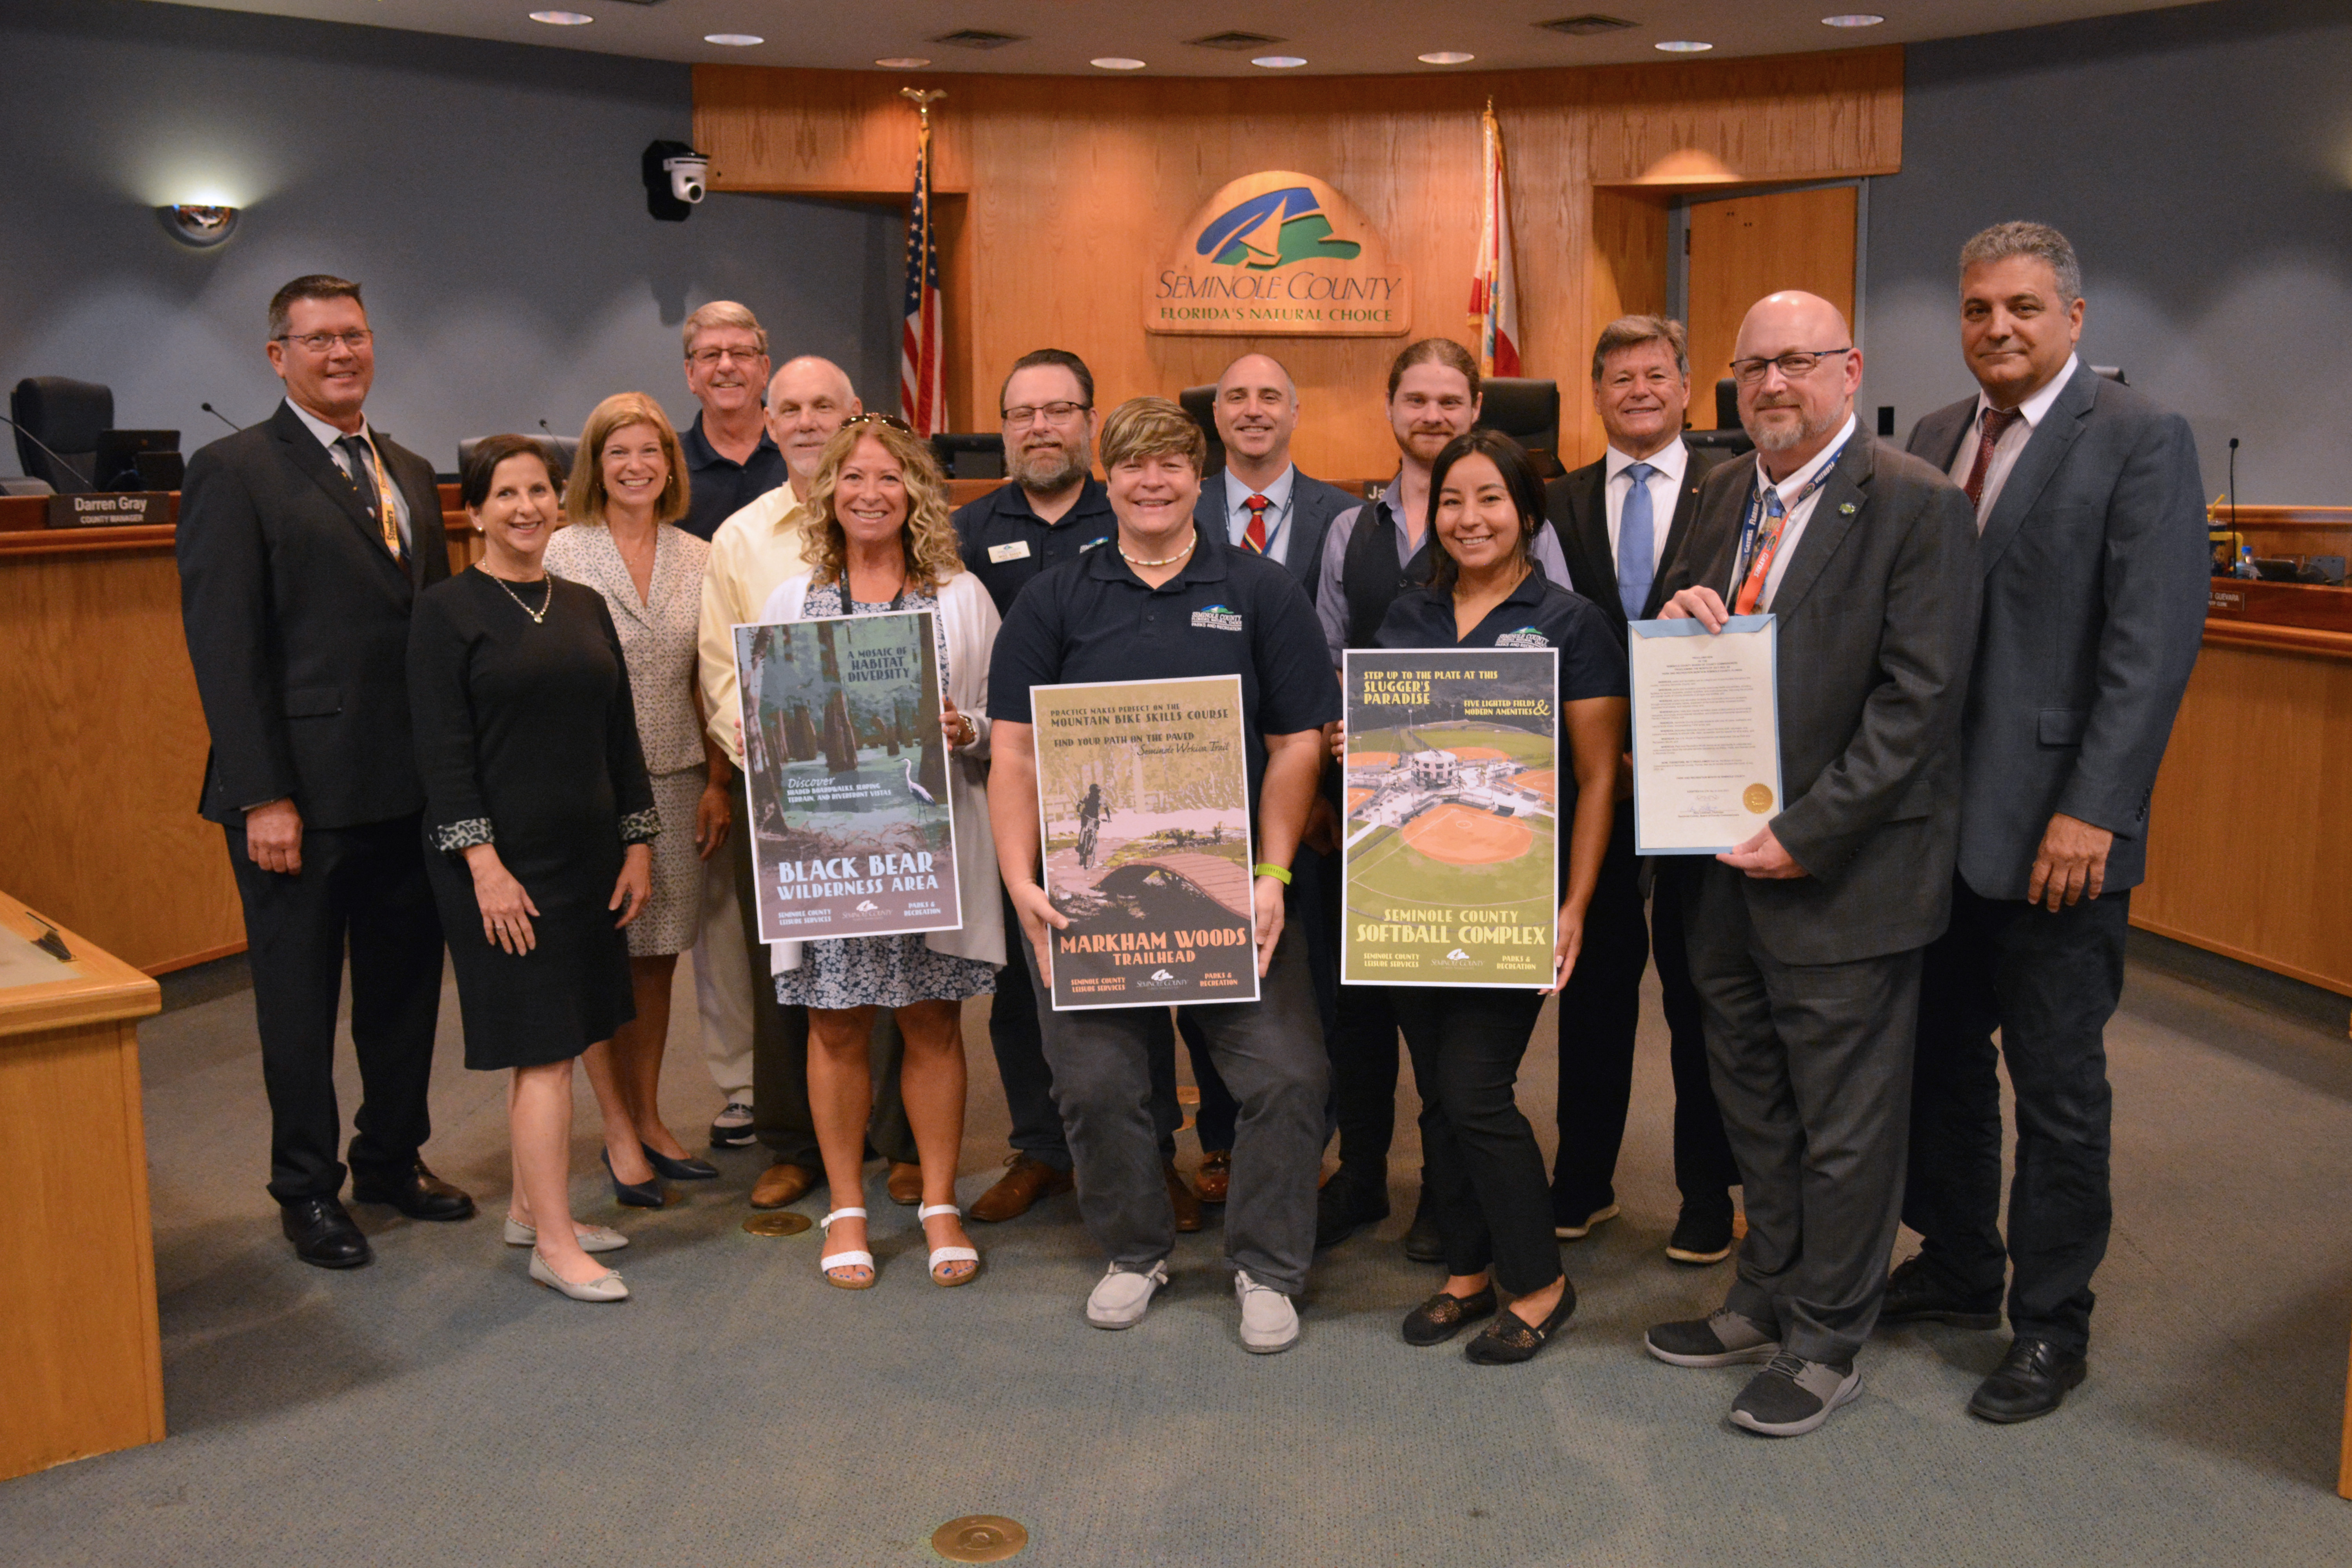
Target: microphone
<point>542,424</point>
<point>219,416</point>
<point>2233,484</point>
<point>43,445</point>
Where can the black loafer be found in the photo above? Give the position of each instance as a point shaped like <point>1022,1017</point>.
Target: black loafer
<point>416,1191</point>
<point>1441,1317</point>
<point>323,1234</point>
<point>1509,1339</point>
<point>2031,1380</point>
<point>1346,1204</point>
<point>686,1170</point>
<point>1916,1295</point>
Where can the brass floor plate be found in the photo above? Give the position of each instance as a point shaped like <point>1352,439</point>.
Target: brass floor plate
<point>979,1538</point>
<point>782,1223</point>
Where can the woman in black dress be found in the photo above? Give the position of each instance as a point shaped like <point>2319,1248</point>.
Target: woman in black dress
<point>541,819</point>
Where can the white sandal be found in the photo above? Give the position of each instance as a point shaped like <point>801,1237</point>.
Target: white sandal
<point>833,1260</point>
<point>945,1255</point>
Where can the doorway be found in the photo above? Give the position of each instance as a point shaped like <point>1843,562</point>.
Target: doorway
<point>1740,249</point>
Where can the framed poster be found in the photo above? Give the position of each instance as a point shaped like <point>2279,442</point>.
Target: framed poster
<point>1451,829</point>
<point>1143,801</point>
<point>845,772</point>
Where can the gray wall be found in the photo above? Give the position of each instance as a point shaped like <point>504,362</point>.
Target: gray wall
<point>486,197</point>
<point>2200,160</point>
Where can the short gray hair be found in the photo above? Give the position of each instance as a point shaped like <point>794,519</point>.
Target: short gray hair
<point>1630,332</point>
<point>2038,240</point>
<point>724,313</point>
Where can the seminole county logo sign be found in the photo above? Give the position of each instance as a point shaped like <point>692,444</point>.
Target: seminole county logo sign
<point>1280,254</point>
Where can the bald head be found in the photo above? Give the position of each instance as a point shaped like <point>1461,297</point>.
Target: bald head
<point>1790,410</point>
<point>1257,411</point>
<point>808,400</point>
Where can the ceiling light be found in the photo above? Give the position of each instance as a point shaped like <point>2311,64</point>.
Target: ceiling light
<point>562,18</point>
<point>734,41</point>
<point>1117,63</point>
<point>903,63</point>
<point>1684,46</point>
<point>198,224</point>
<point>1279,62</point>
<point>1853,19</point>
<point>1446,57</point>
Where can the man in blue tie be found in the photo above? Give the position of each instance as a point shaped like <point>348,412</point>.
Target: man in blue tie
<point>1620,521</point>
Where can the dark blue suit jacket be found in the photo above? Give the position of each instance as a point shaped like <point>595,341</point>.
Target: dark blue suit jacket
<point>1313,505</point>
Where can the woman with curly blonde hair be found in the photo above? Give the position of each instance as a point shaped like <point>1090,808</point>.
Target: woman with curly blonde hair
<point>878,540</point>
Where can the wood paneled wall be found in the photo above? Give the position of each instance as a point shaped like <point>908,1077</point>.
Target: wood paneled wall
<point>1067,193</point>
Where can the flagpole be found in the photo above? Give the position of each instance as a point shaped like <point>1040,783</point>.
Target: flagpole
<point>923,375</point>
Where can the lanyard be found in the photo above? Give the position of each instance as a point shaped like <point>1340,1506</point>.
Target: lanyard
<point>1751,524</point>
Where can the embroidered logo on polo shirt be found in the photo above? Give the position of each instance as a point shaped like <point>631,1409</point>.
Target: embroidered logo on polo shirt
<point>1217,618</point>
<point>1090,543</point>
<point>998,554</point>
<point>1525,636</point>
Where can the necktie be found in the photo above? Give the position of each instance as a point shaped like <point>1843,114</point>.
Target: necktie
<point>1637,536</point>
<point>1254,534</point>
<point>1996,421</point>
<point>364,479</point>
<point>1752,587</point>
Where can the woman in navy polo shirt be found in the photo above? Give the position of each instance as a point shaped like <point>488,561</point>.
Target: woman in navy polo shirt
<point>1163,600</point>
<point>1491,1197</point>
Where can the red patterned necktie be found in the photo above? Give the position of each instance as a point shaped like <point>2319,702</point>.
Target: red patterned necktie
<point>1255,535</point>
<point>1996,421</point>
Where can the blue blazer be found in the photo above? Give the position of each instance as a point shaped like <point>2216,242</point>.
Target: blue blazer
<point>1313,505</point>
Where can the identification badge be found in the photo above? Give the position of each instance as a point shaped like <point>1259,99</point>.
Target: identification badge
<point>999,554</point>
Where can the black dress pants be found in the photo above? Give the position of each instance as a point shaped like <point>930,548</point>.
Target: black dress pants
<point>1600,1013</point>
<point>1303,905</point>
<point>362,888</point>
<point>1484,1169</point>
<point>2049,983</point>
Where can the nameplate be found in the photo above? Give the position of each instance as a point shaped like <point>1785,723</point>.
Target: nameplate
<point>2229,601</point>
<point>111,509</point>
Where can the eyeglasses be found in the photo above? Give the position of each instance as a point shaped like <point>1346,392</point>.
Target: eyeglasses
<point>1055,413</point>
<point>705,358</point>
<point>1795,365</point>
<point>324,342</point>
<point>892,420</point>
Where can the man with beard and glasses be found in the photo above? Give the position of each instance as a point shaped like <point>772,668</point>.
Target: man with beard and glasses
<point>731,457</point>
<point>1053,510</point>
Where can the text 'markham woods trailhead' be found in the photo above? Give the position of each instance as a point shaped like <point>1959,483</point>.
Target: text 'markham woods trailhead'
<point>1143,794</point>
<point>846,771</point>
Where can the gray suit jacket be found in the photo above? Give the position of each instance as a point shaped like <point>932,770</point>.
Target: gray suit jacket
<point>1878,618</point>
<point>2095,576</point>
<point>1313,505</point>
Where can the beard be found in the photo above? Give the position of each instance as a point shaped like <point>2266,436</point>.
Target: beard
<point>1049,469</point>
<point>1779,437</point>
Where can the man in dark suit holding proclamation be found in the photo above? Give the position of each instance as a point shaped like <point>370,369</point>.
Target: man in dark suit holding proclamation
<point>1620,521</point>
<point>303,543</point>
<point>2093,554</point>
<point>1805,941</point>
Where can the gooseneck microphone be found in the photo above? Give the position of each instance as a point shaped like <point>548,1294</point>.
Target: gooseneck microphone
<point>54,455</point>
<point>2233,484</point>
<point>219,416</point>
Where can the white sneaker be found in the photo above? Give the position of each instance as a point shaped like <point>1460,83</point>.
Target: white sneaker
<point>1269,1323</point>
<point>1122,1295</point>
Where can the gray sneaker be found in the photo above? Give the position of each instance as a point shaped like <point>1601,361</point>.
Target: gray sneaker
<point>731,1128</point>
<point>1723,1338</point>
<point>1269,1323</point>
<point>1792,1396</point>
<point>1123,1295</point>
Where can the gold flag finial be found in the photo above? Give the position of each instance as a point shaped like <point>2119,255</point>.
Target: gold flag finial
<point>922,98</point>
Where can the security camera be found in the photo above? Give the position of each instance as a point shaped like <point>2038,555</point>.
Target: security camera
<point>686,173</point>
<point>675,177</point>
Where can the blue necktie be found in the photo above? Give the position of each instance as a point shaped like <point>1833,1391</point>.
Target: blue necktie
<point>1637,545</point>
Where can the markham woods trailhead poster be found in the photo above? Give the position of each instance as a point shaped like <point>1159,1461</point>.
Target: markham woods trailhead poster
<point>1451,827</point>
<point>1144,800</point>
<point>853,833</point>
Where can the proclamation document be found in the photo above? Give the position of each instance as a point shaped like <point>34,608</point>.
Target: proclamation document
<point>1706,734</point>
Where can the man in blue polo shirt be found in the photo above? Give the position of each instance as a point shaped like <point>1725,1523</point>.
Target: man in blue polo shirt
<point>731,459</point>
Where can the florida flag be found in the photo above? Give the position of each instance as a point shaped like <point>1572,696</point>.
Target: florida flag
<point>1494,289</point>
<point>922,376</point>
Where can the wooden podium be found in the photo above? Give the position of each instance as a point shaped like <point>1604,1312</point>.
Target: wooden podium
<point>80,1356</point>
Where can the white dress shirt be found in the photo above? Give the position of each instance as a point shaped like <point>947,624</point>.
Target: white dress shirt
<point>2006,450</point>
<point>1672,461</point>
<point>1277,512</point>
<point>1800,512</point>
<point>328,436</point>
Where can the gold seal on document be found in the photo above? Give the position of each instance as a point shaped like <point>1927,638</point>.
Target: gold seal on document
<point>1757,797</point>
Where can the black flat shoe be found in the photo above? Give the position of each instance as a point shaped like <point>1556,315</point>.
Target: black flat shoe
<point>1508,1339</point>
<point>323,1234</point>
<point>635,1195</point>
<point>1423,1243</point>
<point>1441,1317</point>
<point>1348,1203</point>
<point>2031,1380</point>
<point>416,1191</point>
<point>686,1170</point>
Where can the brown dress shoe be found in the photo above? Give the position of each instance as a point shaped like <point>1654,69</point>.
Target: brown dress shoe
<point>905,1184</point>
<point>781,1183</point>
<point>1182,1198</point>
<point>1027,1179</point>
<point>1215,1177</point>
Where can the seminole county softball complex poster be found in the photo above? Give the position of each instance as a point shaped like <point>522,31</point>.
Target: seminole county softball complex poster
<point>1144,796</point>
<point>1451,823</point>
<point>845,768</point>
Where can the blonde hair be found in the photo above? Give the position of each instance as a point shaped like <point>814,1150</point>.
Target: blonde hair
<point>1151,427</point>
<point>928,536</point>
<point>723,314</point>
<point>585,497</point>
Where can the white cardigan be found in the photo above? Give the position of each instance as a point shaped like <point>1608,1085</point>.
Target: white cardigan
<point>968,619</point>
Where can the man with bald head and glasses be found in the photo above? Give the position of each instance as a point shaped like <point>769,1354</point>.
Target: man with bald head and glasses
<point>1805,941</point>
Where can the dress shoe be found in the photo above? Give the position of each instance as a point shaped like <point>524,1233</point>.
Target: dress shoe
<point>781,1183</point>
<point>2031,1380</point>
<point>606,1287</point>
<point>633,1195</point>
<point>1701,1235</point>
<point>1791,1395</point>
<point>1181,1197</point>
<point>686,1170</point>
<point>323,1234</point>
<point>1914,1294</point>
<point>1443,1316</point>
<point>1026,1180</point>
<point>416,1191</point>
<point>1214,1179</point>
<point>731,1128</point>
<point>1349,1201</point>
<point>905,1184</point>
<point>1511,1339</point>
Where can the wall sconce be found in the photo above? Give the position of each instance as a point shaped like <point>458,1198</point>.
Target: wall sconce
<point>197,225</point>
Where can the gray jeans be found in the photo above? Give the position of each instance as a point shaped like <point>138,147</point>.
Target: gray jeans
<point>1270,1054</point>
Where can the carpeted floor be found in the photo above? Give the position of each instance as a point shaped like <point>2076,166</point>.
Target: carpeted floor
<point>437,1408</point>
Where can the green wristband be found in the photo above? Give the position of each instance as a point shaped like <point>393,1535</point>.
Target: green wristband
<point>1277,872</point>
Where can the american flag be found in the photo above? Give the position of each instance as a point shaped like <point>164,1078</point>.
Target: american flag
<point>1494,287</point>
<point>922,372</point>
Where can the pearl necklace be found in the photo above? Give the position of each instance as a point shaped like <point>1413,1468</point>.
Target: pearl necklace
<point>1165,560</point>
<point>538,615</point>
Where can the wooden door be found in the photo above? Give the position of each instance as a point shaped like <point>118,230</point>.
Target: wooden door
<point>1744,248</point>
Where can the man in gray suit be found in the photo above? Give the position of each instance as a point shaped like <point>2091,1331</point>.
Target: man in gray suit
<point>2094,552</point>
<point>1805,941</point>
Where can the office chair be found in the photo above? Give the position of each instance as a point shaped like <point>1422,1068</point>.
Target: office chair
<point>1527,411</point>
<point>1200,403</point>
<point>66,416</point>
<point>970,454</point>
<point>1727,436</point>
<point>564,450</point>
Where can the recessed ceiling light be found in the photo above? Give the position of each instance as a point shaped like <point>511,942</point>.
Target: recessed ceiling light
<point>562,18</point>
<point>1684,46</point>
<point>1853,19</point>
<point>1279,62</point>
<point>734,41</point>
<point>1446,57</point>
<point>903,63</point>
<point>1117,63</point>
